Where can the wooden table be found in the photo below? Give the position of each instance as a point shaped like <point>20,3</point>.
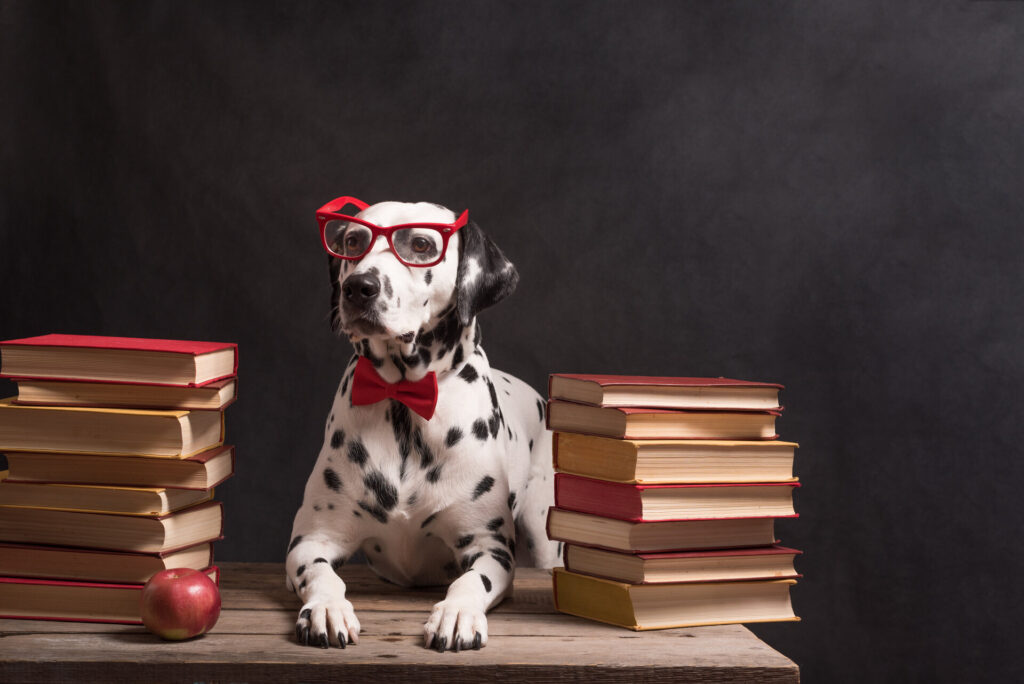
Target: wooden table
<point>254,641</point>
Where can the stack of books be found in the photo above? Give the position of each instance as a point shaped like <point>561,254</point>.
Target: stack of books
<point>114,446</point>
<point>666,494</point>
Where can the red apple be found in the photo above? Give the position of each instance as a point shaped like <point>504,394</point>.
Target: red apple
<point>179,604</point>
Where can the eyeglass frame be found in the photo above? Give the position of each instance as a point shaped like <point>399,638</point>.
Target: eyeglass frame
<point>328,212</point>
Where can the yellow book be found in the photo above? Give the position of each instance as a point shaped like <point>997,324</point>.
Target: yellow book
<point>147,501</point>
<point>666,461</point>
<point>660,606</point>
<point>129,432</point>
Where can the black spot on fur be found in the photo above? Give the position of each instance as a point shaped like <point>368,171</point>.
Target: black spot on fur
<point>303,585</point>
<point>511,500</point>
<point>407,337</point>
<point>357,513</point>
<point>496,523</point>
<point>477,335</point>
<point>330,507</point>
<point>531,445</point>
<point>434,474</point>
<point>512,546</point>
<point>493,423</point>
<point>467,561</point>
<point>480,429</point>
<point>430,519</point>
<point>502,558</point>
<point>426,302</point>
<point>304,615</point>
<point>295,542</point>
<point>483,486</point>
<point>386,493</point>
<point>540,410</point>
<point>332,480</point>
<point>375,511</point>
<point>337,563</point>
<point>425,355</point>
<point>500,538</point>
<point>301,569</point>
<point>458,357</point>
<point>494,395</point>
<point>468,373</point>
<point>357,453</point>
<point>387,287</point>
<point>316,507</point>
<point>376,547</point>
<point>412,499</point>
<point>487,582</point>
<point>320,560</point>
<point>463,542</point>
<point>424,450</point>
<point>402,427</point>
<point>337,439</point>
<point>453,437</point>
<point>428,276</point>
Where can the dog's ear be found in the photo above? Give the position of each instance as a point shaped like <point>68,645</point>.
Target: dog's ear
<point>485,276</point>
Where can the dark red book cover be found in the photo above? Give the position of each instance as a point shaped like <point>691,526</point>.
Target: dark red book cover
<point>184,347</point>
<point>622,501</point>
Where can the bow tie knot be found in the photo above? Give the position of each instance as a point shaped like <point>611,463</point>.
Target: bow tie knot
<point>369,388</point>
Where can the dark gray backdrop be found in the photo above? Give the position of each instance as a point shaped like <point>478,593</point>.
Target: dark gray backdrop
<point>826,195</point>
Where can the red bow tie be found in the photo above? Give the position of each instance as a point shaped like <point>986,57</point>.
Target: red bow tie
<point>369,388</point>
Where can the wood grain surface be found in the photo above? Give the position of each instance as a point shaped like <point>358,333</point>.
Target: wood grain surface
<point>254,642</point>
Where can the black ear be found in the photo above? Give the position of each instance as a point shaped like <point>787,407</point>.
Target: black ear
<point>485,275</point>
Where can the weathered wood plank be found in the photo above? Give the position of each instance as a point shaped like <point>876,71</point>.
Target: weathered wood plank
<point>254,641</point>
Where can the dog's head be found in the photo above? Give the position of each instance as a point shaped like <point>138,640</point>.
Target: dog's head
<point>379,296</point>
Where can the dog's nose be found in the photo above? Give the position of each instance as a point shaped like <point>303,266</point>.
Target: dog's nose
<point>361,289</point>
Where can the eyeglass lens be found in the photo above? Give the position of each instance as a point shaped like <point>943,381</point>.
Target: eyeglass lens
<point>417,245</point>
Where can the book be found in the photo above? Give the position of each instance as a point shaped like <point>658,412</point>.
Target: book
<point>118,359</point>
<point>108,431</point>
<point>673,501</point>
<point>663,392</point>
<point>89,565</point>
<point>38,599</point>
<point>148,501</point>
<point>652,537</point>
<point>660,606</point>
<point>658,461</point>
<point>135,533</point>
<point>773,562</point>
<point>201,471</point>
<point>649,423</point>
<point>214,396</point>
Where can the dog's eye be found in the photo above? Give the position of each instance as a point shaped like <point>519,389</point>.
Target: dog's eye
<point>421,245</point>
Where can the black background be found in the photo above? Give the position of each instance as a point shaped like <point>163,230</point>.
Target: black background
<point>827,195</point>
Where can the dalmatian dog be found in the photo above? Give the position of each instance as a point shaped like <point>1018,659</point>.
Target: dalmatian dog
<point>457,499</point>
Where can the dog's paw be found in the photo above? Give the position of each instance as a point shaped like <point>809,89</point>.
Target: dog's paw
<point>454,626</point>
<point>326,622</point>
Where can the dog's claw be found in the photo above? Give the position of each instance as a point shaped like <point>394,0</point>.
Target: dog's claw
<point>323,640</point>
<point>341,640</point>
<point>476,641</point>
<point>441,644</point>
<point>457,646</point>
<point>305,636</point>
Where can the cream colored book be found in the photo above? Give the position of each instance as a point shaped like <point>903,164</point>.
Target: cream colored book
<point>148,501</point>
<point>211,397</point>
<point>177,434</point>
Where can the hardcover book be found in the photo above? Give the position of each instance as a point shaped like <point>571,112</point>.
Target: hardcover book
<point>649,423</point>
<point>658,461</point>
<point>722,565</point>
<point>201,471</point>
<point>176,434</point>
<point>660,606</point>
<point>213,396</point>
<point>36,599</point>
<point>640,503</point>
<point>149,501</point>
<point>663,392</point>
<point>134,533</point>
<point>651,537</point>
<point>118,359</point>
<point>90,565</point>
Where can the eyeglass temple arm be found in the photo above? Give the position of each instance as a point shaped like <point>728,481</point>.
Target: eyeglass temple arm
<point>334,205</point>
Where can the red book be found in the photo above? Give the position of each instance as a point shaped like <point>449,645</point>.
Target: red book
<point>650,423</point>
<point>642,503</point>
<point>177,363</point>
<point>765,563</point>
<point>35,599</point>
<point>664,392</point>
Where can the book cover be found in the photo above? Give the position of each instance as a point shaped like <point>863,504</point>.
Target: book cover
<point>663,392</point>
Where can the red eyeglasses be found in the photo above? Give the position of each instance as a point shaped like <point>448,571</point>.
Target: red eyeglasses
<point>415,244</point>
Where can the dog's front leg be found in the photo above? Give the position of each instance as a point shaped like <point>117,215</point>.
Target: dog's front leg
<point>326,617</point>
<point>485,556</point>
